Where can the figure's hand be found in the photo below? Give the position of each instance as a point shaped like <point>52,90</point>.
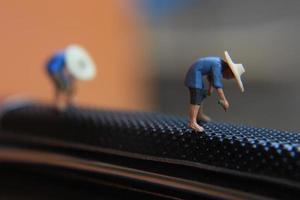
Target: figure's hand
<point>224,103</point>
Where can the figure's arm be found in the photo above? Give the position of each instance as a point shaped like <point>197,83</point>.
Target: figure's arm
<point>223,101</point>
<point>217,76</point>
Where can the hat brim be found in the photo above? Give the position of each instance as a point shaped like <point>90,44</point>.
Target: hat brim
<point>233,68</point>
<point>79,63</point>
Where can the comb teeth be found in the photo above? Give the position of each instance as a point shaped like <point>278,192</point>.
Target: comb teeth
<point>257,151</point>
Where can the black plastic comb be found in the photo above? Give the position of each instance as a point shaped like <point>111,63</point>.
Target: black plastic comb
<point>260,152</point>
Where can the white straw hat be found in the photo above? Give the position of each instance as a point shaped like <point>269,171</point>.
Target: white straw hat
<point>237,70</point>
<point>79,63</point>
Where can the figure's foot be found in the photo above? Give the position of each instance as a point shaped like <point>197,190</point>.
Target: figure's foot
<point>196,127</point>
<point>204,118</point>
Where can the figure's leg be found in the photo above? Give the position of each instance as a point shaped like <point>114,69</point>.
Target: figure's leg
<point>70,96</point>
<point>196,98</point>
<point>71,90</point>
<point>56,99</point>
<point>201,116</point>
<point>193,113</point>
<point>56,90</point>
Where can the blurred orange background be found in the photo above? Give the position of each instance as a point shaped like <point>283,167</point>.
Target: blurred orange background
<point>32,30</point>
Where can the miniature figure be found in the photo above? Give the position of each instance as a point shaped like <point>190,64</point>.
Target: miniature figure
<point>214,68</point>
<point>64,68</point>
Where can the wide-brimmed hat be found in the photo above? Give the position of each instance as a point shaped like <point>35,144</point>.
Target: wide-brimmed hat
<point>79,63</point>
<point>237,70</point>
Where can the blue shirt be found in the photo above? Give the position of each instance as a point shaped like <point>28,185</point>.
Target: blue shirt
<point>56,63</point>
<point>210,66</point>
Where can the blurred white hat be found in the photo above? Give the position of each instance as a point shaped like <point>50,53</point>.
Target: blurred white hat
<point>237,70</point>
<point>79,63</point>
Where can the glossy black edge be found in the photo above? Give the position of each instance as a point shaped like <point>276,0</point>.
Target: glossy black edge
<point>29,156</point>
<point>215,182</point>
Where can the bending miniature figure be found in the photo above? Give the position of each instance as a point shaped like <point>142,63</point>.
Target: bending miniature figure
<point>64,68</point>
<point>214,68</point>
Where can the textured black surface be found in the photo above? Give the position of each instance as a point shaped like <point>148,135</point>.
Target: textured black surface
<point>257,151</point>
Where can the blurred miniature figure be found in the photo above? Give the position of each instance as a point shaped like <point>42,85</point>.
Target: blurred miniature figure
<point>64,68</point>
<point>214,68</point>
